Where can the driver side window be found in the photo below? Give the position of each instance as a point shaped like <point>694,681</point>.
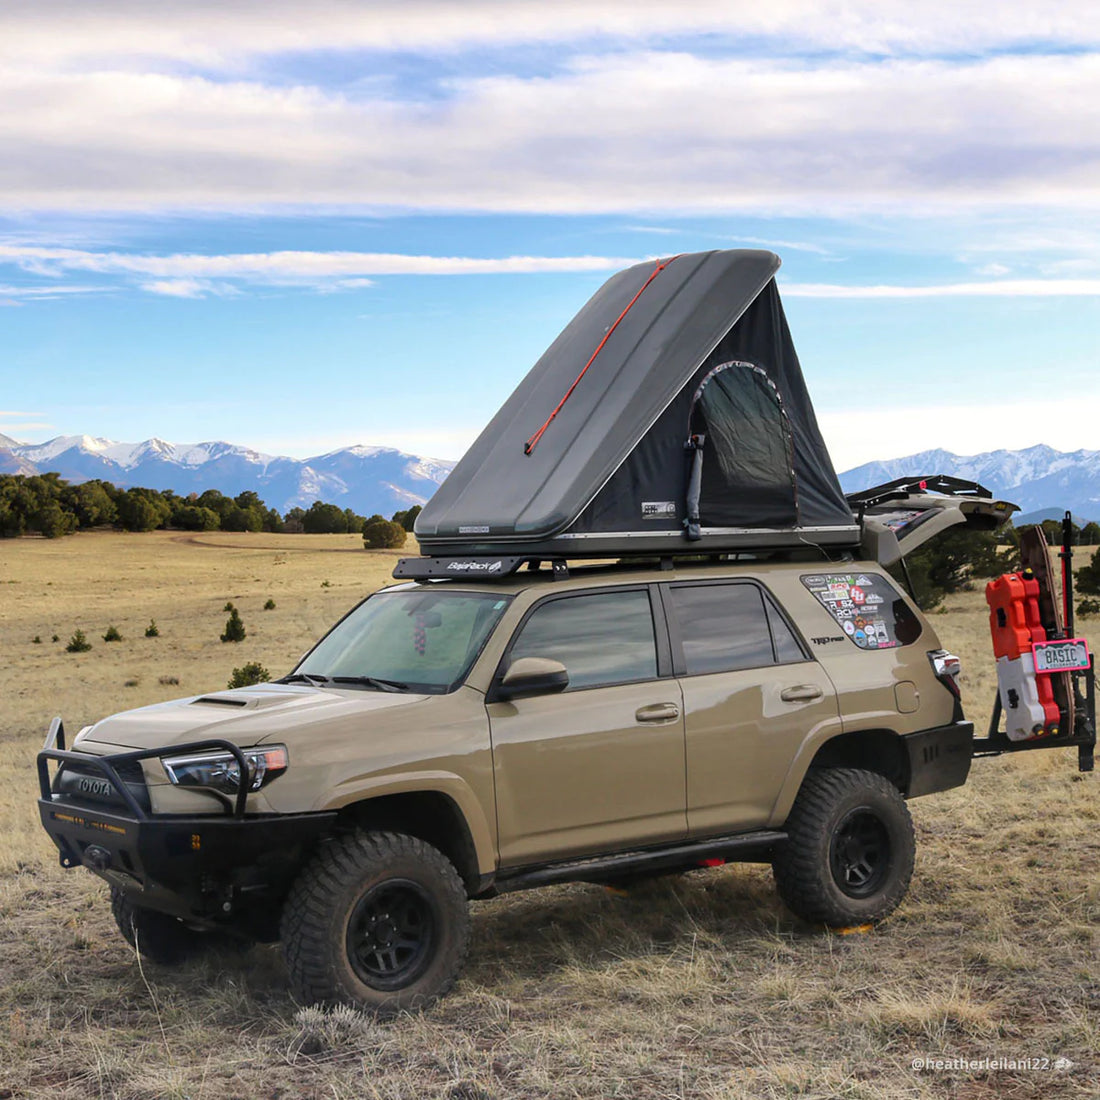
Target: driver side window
<point>602,638</point>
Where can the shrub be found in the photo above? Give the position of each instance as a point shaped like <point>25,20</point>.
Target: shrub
<point>246,675</point>
<point>131,683</point>
<point>1088,577</point>
<point>78,643</point>
<point>1088,607</point>
<point>408,518</point>
<point>270,605</point>
<point>952,563</point>
<point>152,630</point>
<point>383,534</point>
<point>168,680</point>
<point>229,608</point>
<point>56,638</point>
<point>234,628</point>
<point>325,519</point>
<point>37,639</point>
<point>112,634</point>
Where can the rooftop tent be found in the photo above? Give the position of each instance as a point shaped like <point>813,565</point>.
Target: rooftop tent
<point>669,416</point>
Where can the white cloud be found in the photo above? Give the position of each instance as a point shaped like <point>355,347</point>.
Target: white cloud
<point>197,275</point>
<point>218,31</point>
<point>200,275</point>
<point>46,290</point>
<point>1005,288</point>
<point>624,132</point>
<point>179,288</point>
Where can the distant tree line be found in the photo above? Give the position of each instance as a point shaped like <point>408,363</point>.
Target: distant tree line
<point>47,505</point>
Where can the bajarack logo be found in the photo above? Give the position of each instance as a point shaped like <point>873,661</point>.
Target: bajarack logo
<point>474,567</point>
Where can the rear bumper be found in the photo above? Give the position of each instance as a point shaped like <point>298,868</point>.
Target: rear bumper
<point>939,758</point>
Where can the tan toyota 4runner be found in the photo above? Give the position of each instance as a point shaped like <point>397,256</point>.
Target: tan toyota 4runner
<point>453,739</point>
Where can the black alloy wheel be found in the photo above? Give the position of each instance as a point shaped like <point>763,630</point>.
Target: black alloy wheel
<point>860,853</point>
<point>391,933</point>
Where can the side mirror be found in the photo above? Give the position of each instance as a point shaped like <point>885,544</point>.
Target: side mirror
<point>533,676</point>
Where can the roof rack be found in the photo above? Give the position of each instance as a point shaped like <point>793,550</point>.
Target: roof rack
<point>475,567</point>
<point>484,567</point>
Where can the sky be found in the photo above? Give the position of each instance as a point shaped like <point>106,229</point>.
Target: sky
<point>300,228</point>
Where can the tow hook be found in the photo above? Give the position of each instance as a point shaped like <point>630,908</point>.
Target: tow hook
<point>96,858</point>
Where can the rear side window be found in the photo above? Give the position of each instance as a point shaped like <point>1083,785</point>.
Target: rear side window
<point>725,627</point>
<point>602,638</point>
<point>867,607</point>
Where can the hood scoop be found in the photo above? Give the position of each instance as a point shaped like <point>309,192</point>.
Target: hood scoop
<point>262,696</point>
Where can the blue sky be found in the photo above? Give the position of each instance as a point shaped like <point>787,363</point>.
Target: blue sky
<point>236,221</point>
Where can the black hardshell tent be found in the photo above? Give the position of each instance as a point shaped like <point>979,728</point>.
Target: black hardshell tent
<point>690,429</point>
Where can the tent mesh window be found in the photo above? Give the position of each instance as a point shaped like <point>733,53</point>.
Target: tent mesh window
<point>742,450</point>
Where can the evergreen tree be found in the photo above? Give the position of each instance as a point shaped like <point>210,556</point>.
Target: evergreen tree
<point>234,628</point>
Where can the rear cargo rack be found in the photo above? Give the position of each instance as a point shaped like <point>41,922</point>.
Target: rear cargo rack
<point>903,487</point>
<point>1082,735</point>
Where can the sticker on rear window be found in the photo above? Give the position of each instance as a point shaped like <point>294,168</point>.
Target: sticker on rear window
<point>867,607</point>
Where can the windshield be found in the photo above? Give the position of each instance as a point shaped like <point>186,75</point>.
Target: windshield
<point>411,640</point>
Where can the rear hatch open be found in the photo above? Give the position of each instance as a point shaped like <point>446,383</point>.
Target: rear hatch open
<point>897,517</point>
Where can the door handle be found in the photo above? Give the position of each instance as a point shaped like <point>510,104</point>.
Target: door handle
<point>657,712</point>
<point>801,693</point>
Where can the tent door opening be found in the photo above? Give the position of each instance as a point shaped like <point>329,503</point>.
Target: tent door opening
<point>741,451</point>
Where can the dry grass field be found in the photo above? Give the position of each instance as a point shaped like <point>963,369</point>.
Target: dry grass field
<point>700,986</point>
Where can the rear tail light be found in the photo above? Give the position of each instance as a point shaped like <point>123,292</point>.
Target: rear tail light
<point>947,667</point>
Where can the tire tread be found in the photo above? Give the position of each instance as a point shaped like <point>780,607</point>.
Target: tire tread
<point>802,876</point>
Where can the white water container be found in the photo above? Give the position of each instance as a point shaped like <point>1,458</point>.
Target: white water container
<point>1026,715</point>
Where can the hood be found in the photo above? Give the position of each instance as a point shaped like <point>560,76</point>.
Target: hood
<point>245,716</point>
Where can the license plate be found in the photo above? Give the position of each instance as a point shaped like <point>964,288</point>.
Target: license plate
<point>1067,655</point>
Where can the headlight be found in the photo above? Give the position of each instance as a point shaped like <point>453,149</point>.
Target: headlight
<point>220,771</point>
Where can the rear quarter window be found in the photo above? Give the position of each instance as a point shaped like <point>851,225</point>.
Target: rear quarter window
<point>867,607</point>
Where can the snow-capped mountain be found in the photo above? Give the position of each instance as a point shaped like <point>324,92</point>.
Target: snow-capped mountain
<point>382,479</point>
<point>366,479</point>
<point>1037,478</point>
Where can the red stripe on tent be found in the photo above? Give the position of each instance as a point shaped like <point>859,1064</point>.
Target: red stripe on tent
<point>530,445</point>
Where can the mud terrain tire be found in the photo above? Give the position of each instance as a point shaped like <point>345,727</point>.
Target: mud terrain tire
<point>377,920</point>
<point>158,936</point>
<point>850,848</point>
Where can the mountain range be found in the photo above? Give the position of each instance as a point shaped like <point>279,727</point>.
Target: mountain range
<point>365,479</point>
<point>1042,481</point>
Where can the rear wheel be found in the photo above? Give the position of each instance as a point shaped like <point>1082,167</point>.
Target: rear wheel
<point>850,849</point>
<point>156,936</point>
<point>378,920</point>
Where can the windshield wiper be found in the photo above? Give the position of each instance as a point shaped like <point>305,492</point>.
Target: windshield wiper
<point>305,677</point>
<point>372,681</point>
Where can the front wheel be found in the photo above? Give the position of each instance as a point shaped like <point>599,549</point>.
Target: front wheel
<point>850,849</point>
<point>377,920</point>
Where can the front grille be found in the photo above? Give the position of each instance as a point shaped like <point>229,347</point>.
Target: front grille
<point>86,784</point>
